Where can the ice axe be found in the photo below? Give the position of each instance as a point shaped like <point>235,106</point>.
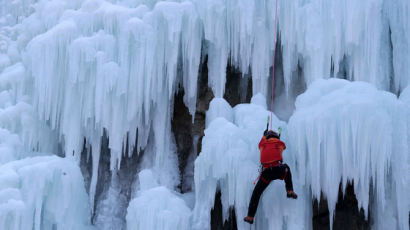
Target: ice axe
<point>267,124</point>
<point>267,127</point>
<point>280,131</point>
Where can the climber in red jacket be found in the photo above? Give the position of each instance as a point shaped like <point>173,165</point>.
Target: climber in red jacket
<point>271,148</point>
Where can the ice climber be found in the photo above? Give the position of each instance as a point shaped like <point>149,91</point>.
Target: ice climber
<point>271,148</point>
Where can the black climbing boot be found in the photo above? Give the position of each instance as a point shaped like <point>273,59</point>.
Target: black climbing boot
<point>291,194</point>
<point>248,219</point>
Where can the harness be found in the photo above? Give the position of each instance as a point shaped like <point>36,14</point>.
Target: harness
<point>272,164</point>
<point>267,166</point>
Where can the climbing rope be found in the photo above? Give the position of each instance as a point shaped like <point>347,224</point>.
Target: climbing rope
<point>273,68</point>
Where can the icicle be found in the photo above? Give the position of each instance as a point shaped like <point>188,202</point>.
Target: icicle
<point>367,137</point>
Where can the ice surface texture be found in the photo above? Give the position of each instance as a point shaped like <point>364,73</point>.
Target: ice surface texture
<point>343,131</point>
<point>73,69</point>
<point>229,162</point>
<point>340,132</point>
<point>43,193</point>
<point>357,40</point>
<point>156,207</point>
<point>115,65</point>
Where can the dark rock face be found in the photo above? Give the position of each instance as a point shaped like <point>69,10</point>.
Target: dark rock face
<point>217,222</point>
<point>347,214</point>
<point>181,126</point>
<point>188,135</point>
<point>104,172</point>
<point>284,101</point>
<point>86,165</point>
<point>117,183</point>
<point>205,95</point>
<point>236,85</point>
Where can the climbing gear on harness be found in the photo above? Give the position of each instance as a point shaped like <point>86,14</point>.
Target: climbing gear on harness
<point>273,164</point>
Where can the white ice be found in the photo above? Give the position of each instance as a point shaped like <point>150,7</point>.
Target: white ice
<point>72,69</point>
<point>96,64</point>
<point>229,162</point>
<point>157,207</point>
<point>43,193</point>
<point>352,132</point>
<point>341,132</point>
<point>354,37</point>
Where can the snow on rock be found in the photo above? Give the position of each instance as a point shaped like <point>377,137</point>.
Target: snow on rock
<point>229,162</point>
<point>345,132</point>
<point>157,207</point>
<point>43,193</point>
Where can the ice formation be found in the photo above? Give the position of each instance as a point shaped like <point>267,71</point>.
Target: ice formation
<point>229,162</point>
<point>43,193</point>
<point>352,132</point>
<point>72,70</point>
<point>156,207</point>
<point>340,132</point>
<point>405,96</point>
<point>355,38</point>
<point>19,126</point>
<point>127,56</point>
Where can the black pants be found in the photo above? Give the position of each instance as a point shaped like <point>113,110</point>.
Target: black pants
<point>281,172</point>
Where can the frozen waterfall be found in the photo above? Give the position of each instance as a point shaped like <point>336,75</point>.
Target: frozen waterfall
<point>87,89</point>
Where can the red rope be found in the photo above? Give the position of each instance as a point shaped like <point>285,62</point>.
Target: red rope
<point>273,71</point>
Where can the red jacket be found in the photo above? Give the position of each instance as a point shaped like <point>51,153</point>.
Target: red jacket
<point>271,150</point>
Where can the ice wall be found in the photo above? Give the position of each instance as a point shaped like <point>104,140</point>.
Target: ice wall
<point>81,68</point>
<point>405,96</point>
<point>229,162</point>
<point>352,132</point>
<point>20,128</point>
<point>43,193</point>
<point>98,63</point>
<point>114,68</point>
<point>402,187</point>
<point>364,40</point>
<point>110,51</point>
<point>341,132</point>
